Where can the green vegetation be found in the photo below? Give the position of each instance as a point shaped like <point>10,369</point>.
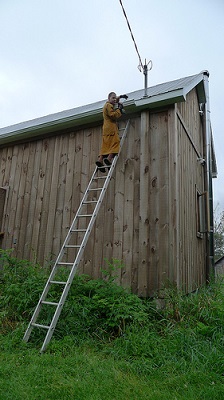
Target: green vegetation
<point>218,233</point>
<point>109,344</point>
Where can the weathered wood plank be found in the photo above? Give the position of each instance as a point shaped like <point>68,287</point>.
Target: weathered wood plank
<point>43,254</point>
<point>159,206</point>
<point>31,232</point>
<point>98,231</point>
<point>135,129</point>
<point>128,211</point>
<point>144,239</point>
<point>119,204</point>
<point>67,206</point>
<point>50,232</point>
<point>3,165</point>
<point>21,212</point>
<point>59,234</point>
<point>12,197</point>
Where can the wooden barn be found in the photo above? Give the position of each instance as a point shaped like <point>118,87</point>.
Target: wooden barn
<point>156,216</point>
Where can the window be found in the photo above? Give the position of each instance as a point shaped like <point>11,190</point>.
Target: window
<point>202,213</point>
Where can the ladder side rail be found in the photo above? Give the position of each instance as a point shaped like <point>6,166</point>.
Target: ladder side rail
<point>54,269</point>
<point>74,220</point>
<point>75,266</point>
<point>38,307</point>
<point>85,195</point>
<point>101,196</point>
<point>78,256</point>
<point>81,250</point>
<point>94,215</point>
<point>124,134</point>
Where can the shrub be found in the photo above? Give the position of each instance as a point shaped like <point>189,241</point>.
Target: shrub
<point>98,308</point>
<point>21,284</point>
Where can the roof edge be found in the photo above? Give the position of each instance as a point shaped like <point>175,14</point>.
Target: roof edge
<point>161,95</point>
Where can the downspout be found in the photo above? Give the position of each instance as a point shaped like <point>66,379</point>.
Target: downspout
<point>208,182</point>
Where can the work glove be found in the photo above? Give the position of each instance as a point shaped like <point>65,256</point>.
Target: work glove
<point>123,96</point>
<point>121,108</point>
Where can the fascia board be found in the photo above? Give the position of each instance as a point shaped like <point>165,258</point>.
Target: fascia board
<point>199,85</point>
<point>161,99</point>
<point>196,80</point>
<point>175,96</point>
<point>34,128</point>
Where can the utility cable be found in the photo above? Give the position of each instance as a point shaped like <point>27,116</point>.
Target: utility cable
<point>140,61</point>
<point>142,68</point>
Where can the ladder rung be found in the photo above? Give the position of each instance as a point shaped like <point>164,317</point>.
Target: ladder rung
<point>100,177</point>
<point>64,263</point>
<point>40,326</point>
<point>78,230</point>
<point>94,190</point>
<point>50,303</point>
<point>90,202</point>
<point>58,282</point>
<point>72,246</point>
<point>121,129</point>
<point>84,215</point>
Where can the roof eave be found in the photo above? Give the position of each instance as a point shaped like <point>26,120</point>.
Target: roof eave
<point>198,83</point>
<point>34,130</point>
<point>175,96</point>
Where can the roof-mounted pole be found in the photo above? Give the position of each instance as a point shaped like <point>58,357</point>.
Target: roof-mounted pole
<point>145,72</point>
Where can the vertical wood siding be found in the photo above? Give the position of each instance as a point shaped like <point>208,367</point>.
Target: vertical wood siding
<point>148,217</point>
<point>192,249</point>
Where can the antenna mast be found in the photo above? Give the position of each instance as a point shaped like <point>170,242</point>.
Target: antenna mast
<point>142,68</point>
<point>145,72</point>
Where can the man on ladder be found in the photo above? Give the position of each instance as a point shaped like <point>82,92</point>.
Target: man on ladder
<point>110,142</point>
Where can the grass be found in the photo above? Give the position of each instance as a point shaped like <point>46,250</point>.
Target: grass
<point>109,344</point>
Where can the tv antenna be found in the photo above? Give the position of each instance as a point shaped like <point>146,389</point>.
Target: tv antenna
<point>142,68</point>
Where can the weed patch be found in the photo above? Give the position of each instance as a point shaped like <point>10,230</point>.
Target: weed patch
<point>109,343</point>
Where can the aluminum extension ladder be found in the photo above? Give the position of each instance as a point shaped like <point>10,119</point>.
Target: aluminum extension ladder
<point>76,241</point>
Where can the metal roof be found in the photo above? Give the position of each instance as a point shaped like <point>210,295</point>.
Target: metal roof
<point>162,94</point>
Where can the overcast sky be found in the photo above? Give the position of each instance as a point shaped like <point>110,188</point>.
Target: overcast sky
<point>56,55</point>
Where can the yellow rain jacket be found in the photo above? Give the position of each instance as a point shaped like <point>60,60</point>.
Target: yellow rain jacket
<point>111,140</point>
